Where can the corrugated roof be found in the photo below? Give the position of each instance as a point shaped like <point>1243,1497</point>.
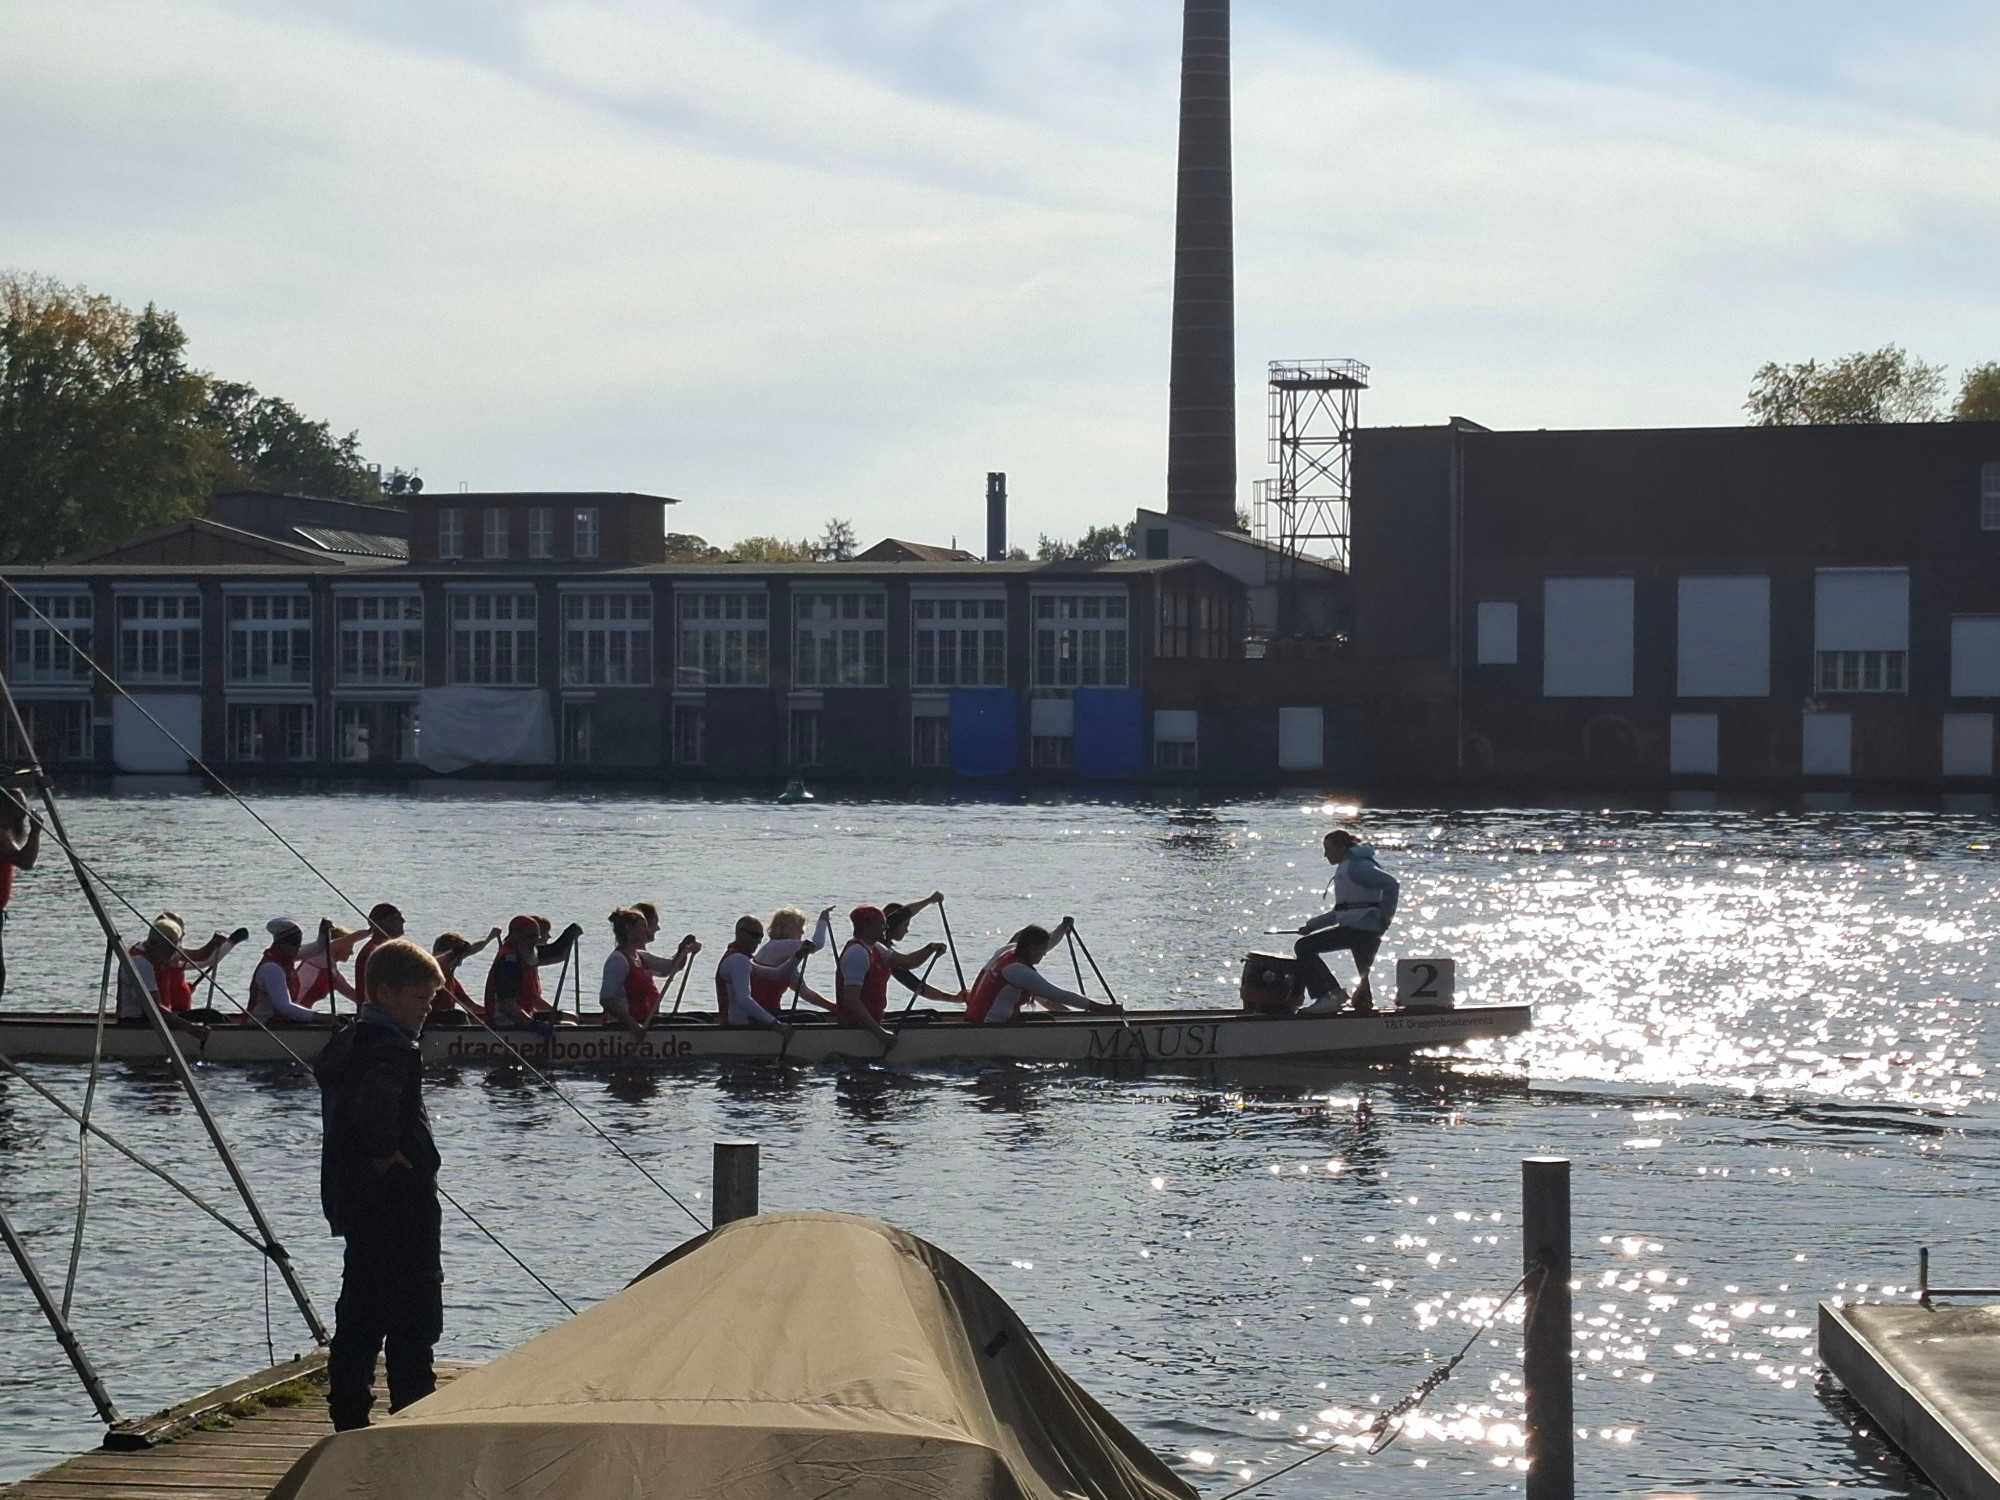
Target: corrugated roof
<point>357,543</point>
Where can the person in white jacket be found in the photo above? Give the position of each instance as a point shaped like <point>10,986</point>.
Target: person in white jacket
<point>1364,903</point>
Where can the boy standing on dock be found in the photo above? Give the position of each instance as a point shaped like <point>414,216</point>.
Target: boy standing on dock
<point>378,1186</point>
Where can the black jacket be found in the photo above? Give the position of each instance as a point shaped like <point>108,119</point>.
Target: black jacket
<point>371,1081</point>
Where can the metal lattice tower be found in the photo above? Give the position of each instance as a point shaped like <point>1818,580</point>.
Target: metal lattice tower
<point>1315,405</point>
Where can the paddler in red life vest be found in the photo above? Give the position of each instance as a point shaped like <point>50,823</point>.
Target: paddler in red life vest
<point>277,987</point>
<point>514,983</point>
<point>1010,982</point>
<point>629,993</point>
<point>778,968</point>
<point>898,916</point>
<point>736,1002</point>
<point>385,922</point>
<point>20,847</point>
<point>163,966</point>
<point>861,984</point>
<point>451,1006</point>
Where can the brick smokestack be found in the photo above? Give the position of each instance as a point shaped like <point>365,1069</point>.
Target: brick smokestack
<point>1201,420</point>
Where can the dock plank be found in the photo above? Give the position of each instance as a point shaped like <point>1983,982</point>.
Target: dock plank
<point>227,1458</point>
<point>1930,1377</point>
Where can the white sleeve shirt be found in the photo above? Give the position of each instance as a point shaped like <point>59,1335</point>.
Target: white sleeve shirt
<point>743,1007</point>
<point>130,1007</point>
<point>854,960</point>
<point>271,998</point>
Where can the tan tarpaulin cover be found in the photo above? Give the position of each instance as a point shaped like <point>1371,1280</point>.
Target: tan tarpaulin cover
<point>791,1355</point>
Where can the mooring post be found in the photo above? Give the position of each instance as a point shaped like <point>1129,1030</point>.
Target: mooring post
<point>735,1181</point>
<point>1546,1335</point>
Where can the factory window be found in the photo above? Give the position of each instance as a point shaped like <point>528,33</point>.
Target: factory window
<point>1080,640</point>
<point>579,732</point>
<point>723,639</point>
<point>958,643</point>
<point>451,532</point>
<point>48,638</point>
<point>690,734</point>
<point>1975,656</point>
<point>1499,633</point>
<point>1193,625</point>
<point>381,640</point>
<point>843,639</point>
<point>1861,630</point>
<point>584,537</point>
<point>1175,743</point>
<point>1691,744</point>
<point>541,532</point>
<point>271,731</point>
<point>1723,637</point>
<point>930,734</point>
<point>1587,638</point>
<point>1052,733</point>
<point>375,732</point>
<point>1826,744</point>
<point>608,639</point>
<point>1989,496</point>
<point>270,638</point>
<point>159,638</point>
<point>59,729</point>
<point>1968,745</point>
<point>493,640</point>
<point>495,531</point>
<point>804,746</point>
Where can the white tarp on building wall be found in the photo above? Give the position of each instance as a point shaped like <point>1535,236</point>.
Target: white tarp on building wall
<point>1862,609</point>
<point>1968,744</point>
<point>1827,744</point>
<point>1724,647</point>
<point>1975,656</point>
<point>471,726</point>
<point>1301,739</point>
<point>140,747</point>
<point>1587,638</point>
<point>1691,744</point>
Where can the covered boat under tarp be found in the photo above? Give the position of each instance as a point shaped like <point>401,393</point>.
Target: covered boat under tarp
<point>778,1358</point>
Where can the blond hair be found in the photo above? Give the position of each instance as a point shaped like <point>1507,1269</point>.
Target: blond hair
<point>400,964</point>
<point>788,917</point>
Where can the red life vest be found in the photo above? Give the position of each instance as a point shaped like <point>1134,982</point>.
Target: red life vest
<point>450,996</point>
<point>170,982</point>
<point>642,996</point>
<point>291,968</point>
<point>875,987</point>
<point>987,987</point>
<point>722,985</point>
<point>527,995</point>
<point>361,964</point>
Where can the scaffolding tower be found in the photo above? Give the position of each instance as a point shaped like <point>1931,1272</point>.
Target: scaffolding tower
<point>1314,408</point>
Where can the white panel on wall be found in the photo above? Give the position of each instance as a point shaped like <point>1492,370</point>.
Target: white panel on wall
<point>1301,739</point>
<point>1499,633</point>
<point>1174,726</point>
<point>1724,638</point>
<point>137,744</point>
<point>1691,749</point>
<point>1975,656</point>
<point>1968,744</point>
<point>1862,609</point>
<point>1828,748</point>
<point>1587,638</point>
<point>1051,718</point>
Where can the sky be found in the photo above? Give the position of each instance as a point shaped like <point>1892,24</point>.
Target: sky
<point>791,259</point>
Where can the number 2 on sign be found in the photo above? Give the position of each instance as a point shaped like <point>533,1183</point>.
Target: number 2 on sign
<point>1425,981</point>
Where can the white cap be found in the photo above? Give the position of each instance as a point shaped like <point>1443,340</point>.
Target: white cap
<point>282,924</point>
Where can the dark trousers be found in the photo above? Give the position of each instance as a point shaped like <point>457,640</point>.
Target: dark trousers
<point>1312,945</point>
<point>391,1293</point>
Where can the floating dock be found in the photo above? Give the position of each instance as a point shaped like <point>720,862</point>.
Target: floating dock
<point>233,1443</point>
<point>1930,1377</point>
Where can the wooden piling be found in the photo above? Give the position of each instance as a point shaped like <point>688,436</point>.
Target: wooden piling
<point>735,1181</point>
<point>1546,1366</point>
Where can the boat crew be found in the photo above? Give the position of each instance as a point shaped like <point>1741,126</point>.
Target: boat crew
<point>861,983</point>
<point>451,1006</point>
<point>1010,982</point>
<point>1364,903</point>
<point>897,916</point>
<point>514,983</point>
<point>385,921</point>
<point>779,967</point>
<point>629,993</point>
<point>20,847</point>
<point>276,988</point>
<point>162,966</point>
<point>736,1002</point>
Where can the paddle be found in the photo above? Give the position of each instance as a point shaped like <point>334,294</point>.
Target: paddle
<point>1076,941</point>
<point>686,969</point>
<point>332,989</point>
<point>944,918</point>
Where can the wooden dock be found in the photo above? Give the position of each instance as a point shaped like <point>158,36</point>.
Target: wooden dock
<point>232,1443</point>
<point>1930,1377</point>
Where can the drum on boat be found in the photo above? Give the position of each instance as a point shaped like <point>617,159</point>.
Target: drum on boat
<point>1271,984</point>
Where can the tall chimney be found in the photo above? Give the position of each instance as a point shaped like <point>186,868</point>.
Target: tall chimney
<point>996,517</point>
<point>1201,420</point>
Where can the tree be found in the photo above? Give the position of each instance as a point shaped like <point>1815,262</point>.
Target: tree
<point>1885,386</point>
<point>1979,395</point>
<point>1098,544</point>
<point>685,546</point>
<point>772,549</point>
<point>100,431</point>
<point>271,445</point>
<point>836,543</point>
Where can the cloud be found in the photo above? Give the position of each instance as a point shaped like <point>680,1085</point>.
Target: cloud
<point>789,260</point>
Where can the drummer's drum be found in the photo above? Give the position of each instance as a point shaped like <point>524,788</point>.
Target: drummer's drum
<point>1271,985</point>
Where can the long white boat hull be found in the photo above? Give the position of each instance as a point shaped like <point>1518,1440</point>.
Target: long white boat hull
<point>1168,1038</point>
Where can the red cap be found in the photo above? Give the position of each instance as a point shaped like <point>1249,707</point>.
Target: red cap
<point>861,914</point>
<point>524,924</point>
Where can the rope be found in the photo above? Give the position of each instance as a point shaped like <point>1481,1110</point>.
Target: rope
<point>1381,1429</point>
<point>83,1132</point>
<point>505,1251</point>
